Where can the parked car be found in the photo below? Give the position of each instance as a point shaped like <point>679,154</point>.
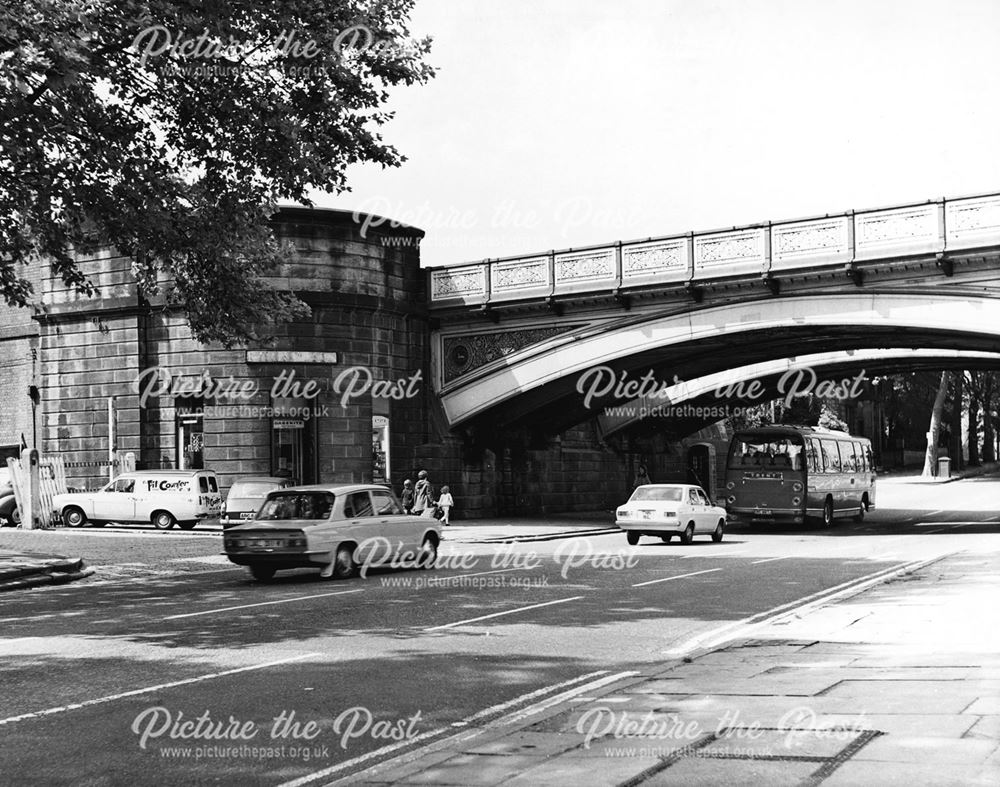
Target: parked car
<point>333,528</point>
<point>666,510</point>
<point>246,496</point>
<point>162,498</point>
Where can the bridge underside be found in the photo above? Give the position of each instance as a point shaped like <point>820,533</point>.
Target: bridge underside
<point>541,388</point>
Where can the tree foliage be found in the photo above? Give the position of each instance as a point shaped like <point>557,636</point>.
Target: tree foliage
<point>171,129</point>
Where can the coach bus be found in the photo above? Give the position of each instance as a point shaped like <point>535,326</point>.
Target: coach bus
<point>796,474</point>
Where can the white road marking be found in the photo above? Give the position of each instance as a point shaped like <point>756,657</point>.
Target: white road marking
<point>465,734</point>
<point>148,689</point>
<point>730,631</point>
<point>713,553</point>
<point>260,604</point>
<point>500,708</point>
<point>500,614</point>
<point>769,560</point>
<point>679,576</point>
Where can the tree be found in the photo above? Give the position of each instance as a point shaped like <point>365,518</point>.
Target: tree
<point>171,129</point>
<point>930,456</point>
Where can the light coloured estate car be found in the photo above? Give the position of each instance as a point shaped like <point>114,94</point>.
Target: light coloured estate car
<point>246,496</point>
<point>666,510</point>
<point>163,498</point>
<point>335,528</point>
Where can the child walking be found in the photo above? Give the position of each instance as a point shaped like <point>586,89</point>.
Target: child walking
<point>407,500</point>
<point>445,501</point>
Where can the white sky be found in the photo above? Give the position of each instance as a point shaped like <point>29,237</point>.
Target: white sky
<point>562,123</point>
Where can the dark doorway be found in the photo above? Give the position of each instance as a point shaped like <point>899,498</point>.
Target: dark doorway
<point>699,468</point>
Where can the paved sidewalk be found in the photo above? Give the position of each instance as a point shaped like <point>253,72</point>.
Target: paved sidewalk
<point>896,685</point>
<point>28,569</point>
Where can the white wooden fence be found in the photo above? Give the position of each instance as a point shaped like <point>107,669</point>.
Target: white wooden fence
<point>51,482</point>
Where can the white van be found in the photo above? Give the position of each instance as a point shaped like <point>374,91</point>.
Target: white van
<point>162,498</point>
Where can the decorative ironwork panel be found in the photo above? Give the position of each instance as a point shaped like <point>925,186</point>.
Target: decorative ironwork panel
<point>973,222</point>
<point>656,259</point>
<point>464,354</point>
<point>804,242</point>
<point>901,230</point>
<point>726,252</point>
<point>468,281</point>
<point>520,274</point>
<point>585,266</point>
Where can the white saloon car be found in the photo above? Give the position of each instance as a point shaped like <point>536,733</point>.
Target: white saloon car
<point>334,528</point>
<point>666,510</point>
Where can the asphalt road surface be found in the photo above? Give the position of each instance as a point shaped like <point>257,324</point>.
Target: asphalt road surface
<point>185,671</point>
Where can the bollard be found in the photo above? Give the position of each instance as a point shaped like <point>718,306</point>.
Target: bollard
<point>32,500</point>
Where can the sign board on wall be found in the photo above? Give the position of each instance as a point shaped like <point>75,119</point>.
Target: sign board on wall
<point>380,449</point>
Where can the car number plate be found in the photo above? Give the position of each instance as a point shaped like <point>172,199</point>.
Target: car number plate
<point>246,515</point>
<point>263,543</point>
<point>765,511</point>
<point>647,514</point>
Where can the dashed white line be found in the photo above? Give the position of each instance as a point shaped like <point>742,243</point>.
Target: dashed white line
<point>148,689</point>
<point>679,576</point>
<point>500,614</point>
<point>769,560</point>
<point>260,604</point>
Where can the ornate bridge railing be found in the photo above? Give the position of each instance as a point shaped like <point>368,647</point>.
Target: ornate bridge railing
<point>761,250</point>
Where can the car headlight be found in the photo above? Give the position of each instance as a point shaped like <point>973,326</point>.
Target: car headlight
<point>796,501</point>
<point>797,487</point>
<point>731,499</point>
<point>731,485</point>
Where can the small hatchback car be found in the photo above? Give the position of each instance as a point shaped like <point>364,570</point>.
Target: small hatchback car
<point>334,528</point>
<point>666,510</point>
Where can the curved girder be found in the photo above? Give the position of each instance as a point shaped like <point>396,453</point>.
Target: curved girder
<point>861,319</point>
<point>782,377</point>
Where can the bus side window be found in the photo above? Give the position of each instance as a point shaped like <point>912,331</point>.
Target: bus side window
<point>813,459</point>
<point>847,453</point>
<point>831,456</point>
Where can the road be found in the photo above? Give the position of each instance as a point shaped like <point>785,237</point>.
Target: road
<point>182,670</point>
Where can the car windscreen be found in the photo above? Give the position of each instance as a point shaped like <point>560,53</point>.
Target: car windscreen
<point>252,488</point>
<point>297,505</point>
<point>751,450</point>
<point>668,494</point>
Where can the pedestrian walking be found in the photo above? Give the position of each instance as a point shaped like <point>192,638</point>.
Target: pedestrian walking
<point>423,502</point>
<point>408,496</point>
<point>445,501</point>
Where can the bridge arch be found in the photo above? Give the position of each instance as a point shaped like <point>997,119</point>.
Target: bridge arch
<point>845,320</point>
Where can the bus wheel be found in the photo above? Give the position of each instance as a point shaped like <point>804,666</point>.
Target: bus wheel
<point>828,513</point>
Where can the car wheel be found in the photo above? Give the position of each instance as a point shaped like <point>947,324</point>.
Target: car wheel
<point>667,538</point>
<point>344,566</point>
<point>428,554</point>
<point>632,538</point>
<point>828,513</point>
<point>188,525</point>
<point>262,573</point>
<point>163,520</point>
<point>719,528</point>
<point>862,510</point>
<point>74,517</point>
<point>688,535</point>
